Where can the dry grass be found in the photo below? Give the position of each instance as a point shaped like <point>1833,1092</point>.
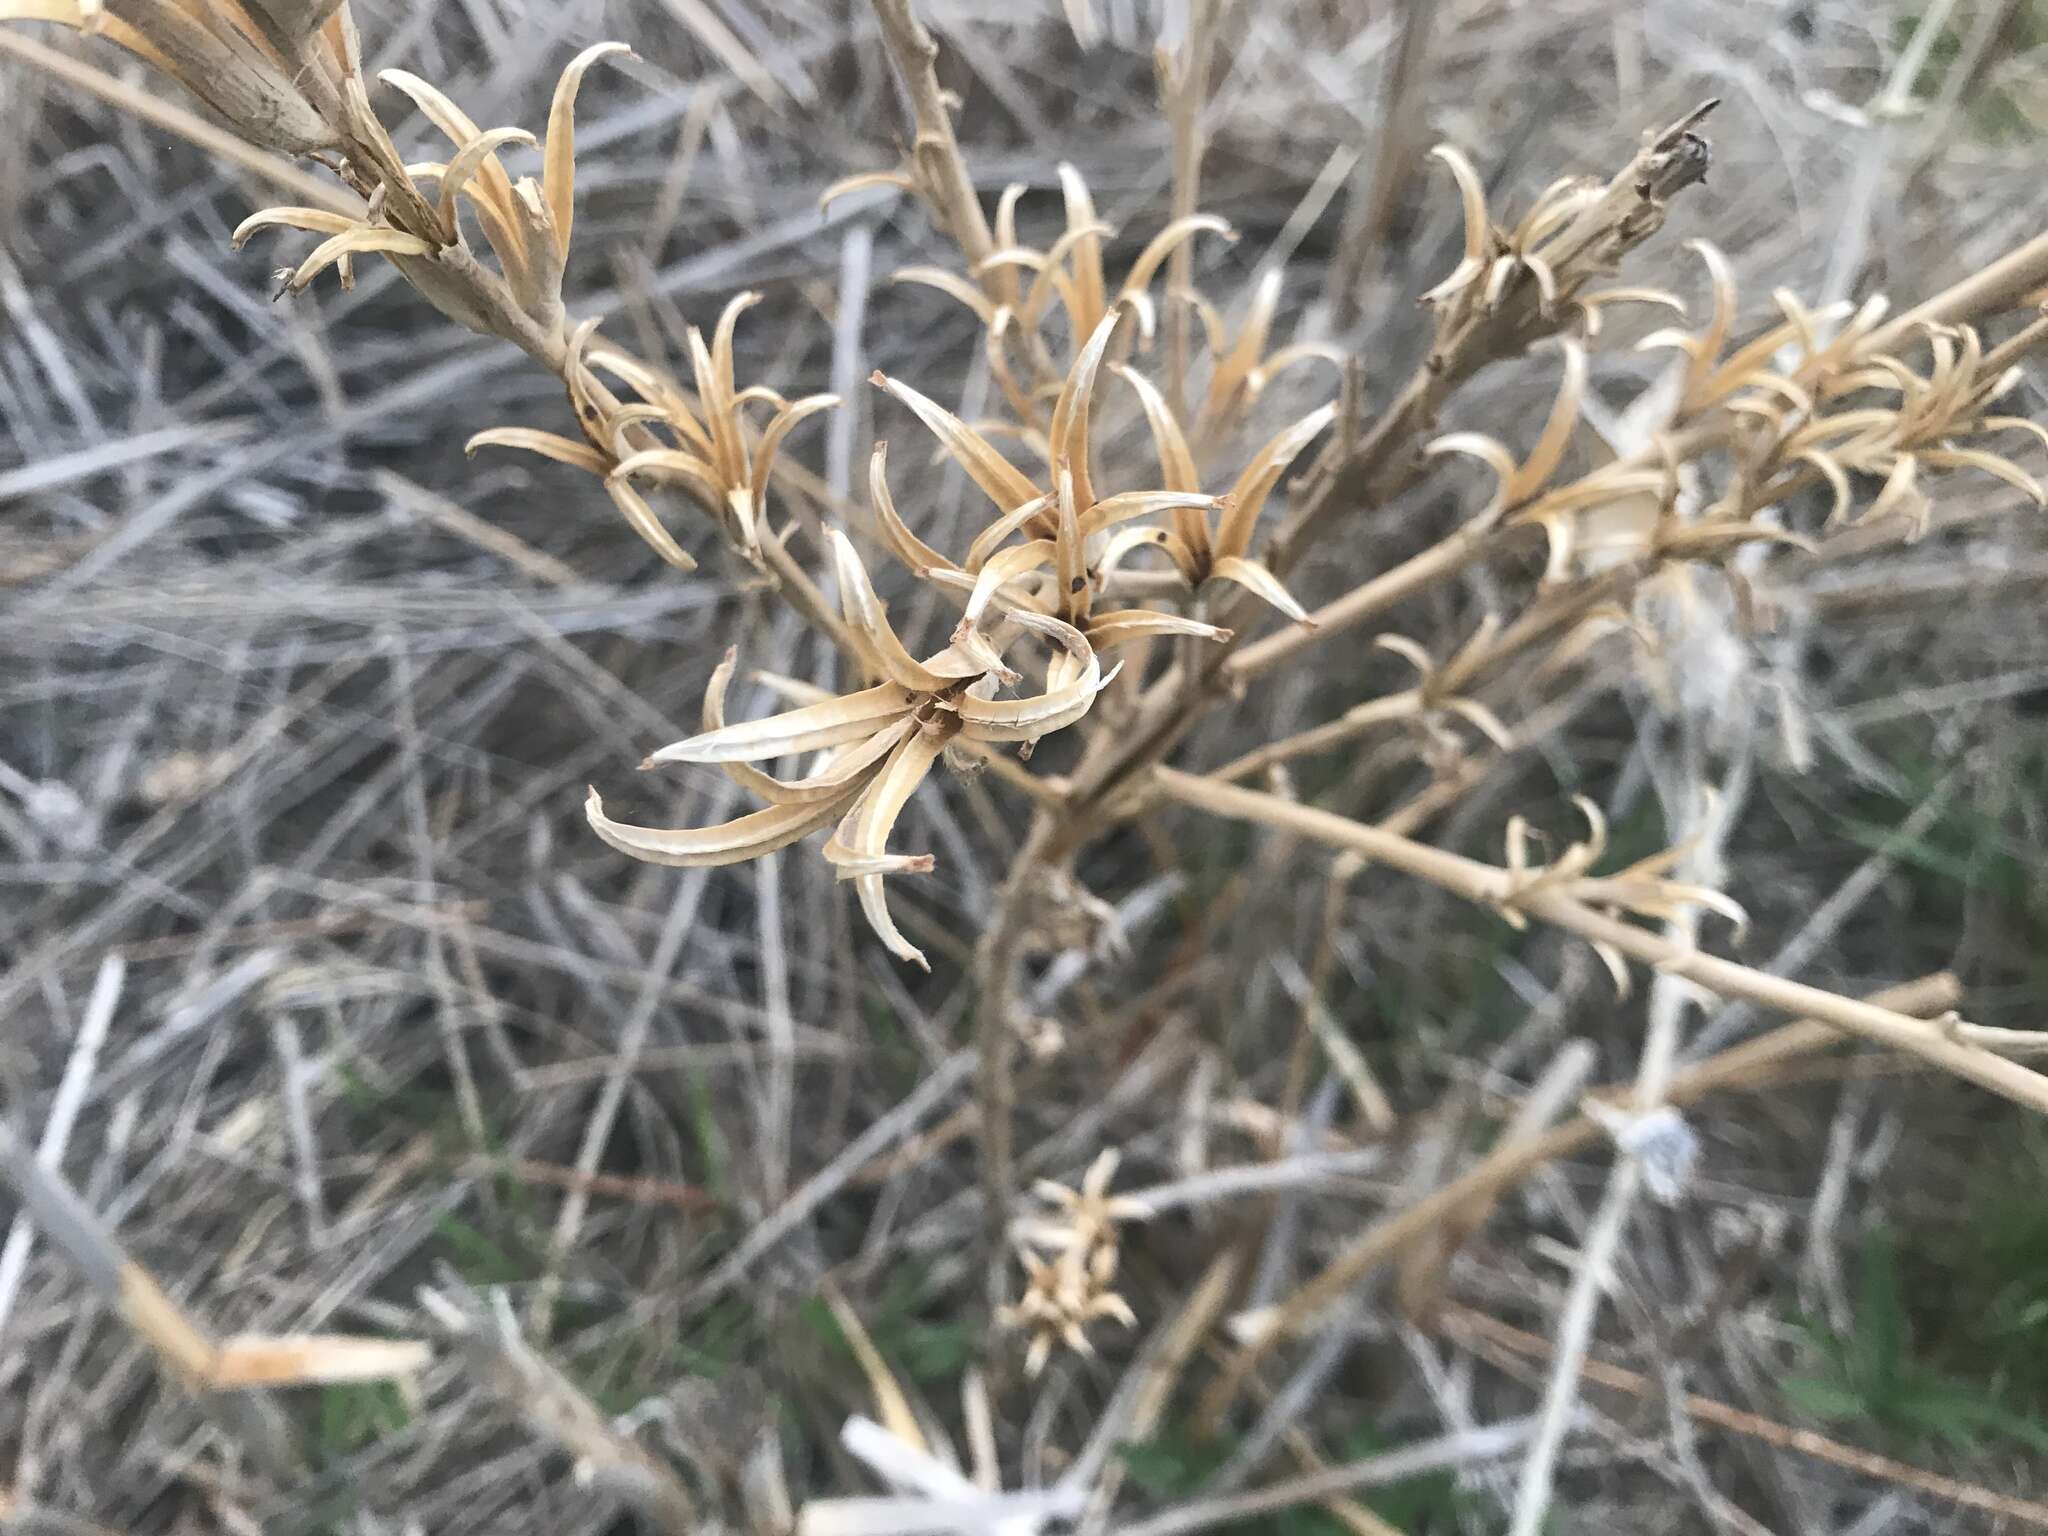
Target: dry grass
<point>334,1029</point>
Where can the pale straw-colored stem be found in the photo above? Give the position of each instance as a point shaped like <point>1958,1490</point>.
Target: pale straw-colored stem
<point>1493,886</point>
<point>1753,1062</point>
<point>942,170</point>
<point>1997,287</point>
<point>996,961</point>
<point>1353,723</point>
<point>1700,822</point>
<point>1486,884</point>
<point>1186,95</point>
<point>1363,603</point>
<point>183,1348</point>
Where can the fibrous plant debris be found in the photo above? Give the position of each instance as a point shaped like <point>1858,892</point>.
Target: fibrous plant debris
<point>1189,583</point>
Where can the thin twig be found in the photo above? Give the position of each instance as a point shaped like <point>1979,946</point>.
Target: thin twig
<point>1491,886</point>
<point>1475,1326</point>
<point>1739,1066</point>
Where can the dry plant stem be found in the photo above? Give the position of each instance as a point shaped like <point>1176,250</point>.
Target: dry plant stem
<point>1740,1066</point>
<point>1996,287</point>
<point>1370,715</point>
<point>1387,460</point>
<point>1363,603</point>
<point>1344,869</point>
<point>1186,94</point>
<point>1374,201</point>
<point>1702,826</point>
<point>1488,885</point>
<point>62,1118</point>
<point>937,152</point>
<point>1179,699</point>
<point>1383,462</point>
<point>996,965</point>
<point>1445,1452</point>
<point>1375,470</point>
<point>1142,1401</point>
<point>1478,1327</point>
<point>186,1351</point>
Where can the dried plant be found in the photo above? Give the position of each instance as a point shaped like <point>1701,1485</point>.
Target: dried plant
<point>1061,629</point>
<point>1070,1261</point>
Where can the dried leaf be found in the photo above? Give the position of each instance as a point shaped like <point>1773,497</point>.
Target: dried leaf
<point>312,1359</point>
<point>558,170</point>
<point>1123,626</point>
<point>999,479</point>
<point>1068,436</point>
<point>953,285</point>
<point>1163,245</point>
<point>641,519</point>
<point>561,449</point>
<point>1127,506</point>
<point>317,220</point>
<point>864,613</point>
<point>467,162</point>
<point>858,844</point>
<point>361,240</point>
<point>1176,463</point>
<point>1030,718</point>
<point>902,543</point>
<point>785,418</point>
<point>845,771</point>
<point>1262,583</point>
<point>733,842</point>
<point>671,466</point>
<point>829,724</point>
<point>1248,496</point>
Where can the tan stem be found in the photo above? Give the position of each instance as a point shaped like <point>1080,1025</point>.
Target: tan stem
<point>1185,97</point>
<point>1363,603</point>
<point>1997,287</point>
<point>1492,886</point>
<point>941,169</point>
<point>996,962</point>
<point>1388,707</point>
<point>1738,1066</point>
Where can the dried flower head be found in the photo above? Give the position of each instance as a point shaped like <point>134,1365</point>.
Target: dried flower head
<point>1069,278</point>
<point>526,223</point>
<point>706,447</point>
<point>1576,230</point>
<point>1927,428</point>
<point>880,743</point>
<point>1623,510</point>
<point>1070,1261</point>
<point>1779,384</point>
<point>1074,538</point>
